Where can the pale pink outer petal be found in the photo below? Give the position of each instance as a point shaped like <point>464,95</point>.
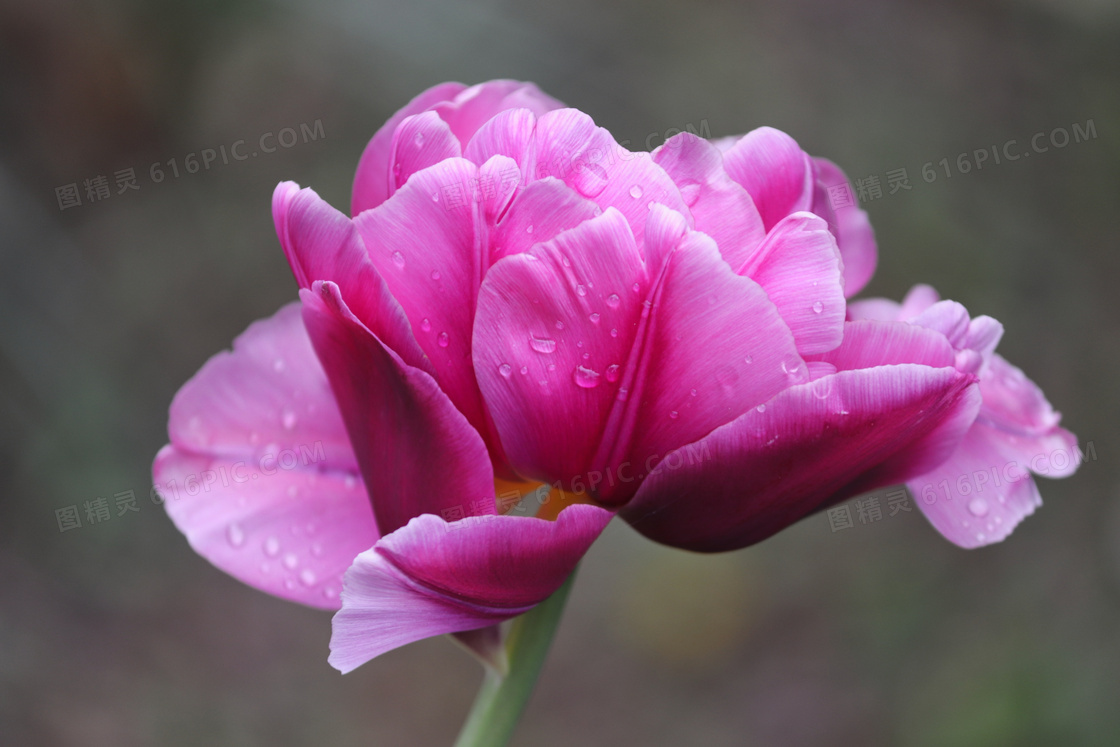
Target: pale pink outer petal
<point>475,106</point>
<point>371,181</point>
<point>721,207</point>
<point>774,170</point>
<point>851,226</point>
<point>323,244</point>
<point>266,486</point>
<point>420,141</point>
<point>810,446</point>
<point>509,134</point>
<point>869,343</point>
<point>417,452</point>
<point>799,267</point>
<point>878,309</point>
<point>431,577</point>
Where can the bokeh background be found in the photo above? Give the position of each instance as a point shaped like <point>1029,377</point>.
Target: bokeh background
<point>882,634</point>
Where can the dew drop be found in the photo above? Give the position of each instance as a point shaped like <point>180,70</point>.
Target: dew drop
<point>585,356</point>
<point>398,259</point>
<point>524,370</point>
<point>435,196</point>
<point>272,547</point>
<point>594,317</point>
<point>542,344</point>
<point>749,359</point>
<point>551,366</point>
<point>505,370</point>
<point>636,287</point>
<point>317,550</point>
<point>289,584</point>
<point>614,333</point>
<point>585,377</point>
<point>289,419</point>
<point>613,300</point>
<point>623,394</point>
<point>559,324</point>
<point>673,414</point>
<point>278,365</point>
<point>636,192</point>
<point>581,290</point>
<point>435,275</point>
<point>291,560</point>
<point>307,577</point>
<point>426,325</point>
<point>330,592</point>
<point>529,228</point>
<point>980,537</point>
<point>235,534</point>
<point>443,340</point>
<point>612,372</point>
<point>692,393</point>
<point>818,307</point>
<point>978,507</point>
<point>761,408</point>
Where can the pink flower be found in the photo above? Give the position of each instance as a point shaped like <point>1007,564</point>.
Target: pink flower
<point>520,300</point>
<point>978,495</point>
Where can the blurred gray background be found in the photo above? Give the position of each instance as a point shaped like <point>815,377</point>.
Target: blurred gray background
<point>882,634</point>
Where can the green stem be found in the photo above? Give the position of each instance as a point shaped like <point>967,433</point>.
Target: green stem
<point>501,700</point>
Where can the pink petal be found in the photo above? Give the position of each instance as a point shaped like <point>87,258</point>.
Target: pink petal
<point>809,446</point>
<point>917,300</point>
<point>868,343</point>
<point>266,486</point>
<point>508,134</point>
<point>721,207</point>
<point>851,226</point>
<point>417,451</point>
<point>569,146</point>
<point>431,255</point>
<point>878,309</point>
<point>420,141</point>
<point>431,577</point>
<point>947,317</point>
<point>539,212</point>
<point>472,108</point>
<point>371,182</point>
<point>799,267</point>
<point>322,244</point>
<point>981,493</point>
<point>534,328</point>
<point>774,170</point>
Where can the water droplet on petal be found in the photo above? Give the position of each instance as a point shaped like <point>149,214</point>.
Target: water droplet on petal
<point>542,344</point>
<point>426,325</point>
<point>291,560</point>
<point>317,550</point>
<point>307,577</point>
<point>289,419</point>
<point>980,537</point>
<point>443,340</point>
<point>612,372</point>
<point>614,333</point>
<point>818,307</point>
<point>435,196</point>
<point>692,393</point>
<point>529,229</point>
<point>613,300</point>
<point>330,592</point>
<point>594,317</point>
<point>272,547</point>
<point>673,414</point>
<point>235,534</point>
<point>435,275</point>
<point>551,366</point>
<point>623,394</point>
<point>581,290</point>
<point>278,365</point>
<point>505,370</point>
<point>524,370</point>
<point>398,259</point>
<point>761,408</point>
<point>585,377</point>
<point>636,192</point>
<point>419,138</point>
<point>749,359</point>
<point>559,324</point>
<point>978,507</point>
<point>636,287</point>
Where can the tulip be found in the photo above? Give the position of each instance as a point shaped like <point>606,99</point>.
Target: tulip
<point>517,301</point>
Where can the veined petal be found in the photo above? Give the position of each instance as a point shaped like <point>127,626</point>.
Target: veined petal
<point>259,475</point>
<point>851,226</point>
<point>414,447</point>
<point>420,141</point>
<point>431,577</point>
<point>751,478</point>
<point>774,170</point>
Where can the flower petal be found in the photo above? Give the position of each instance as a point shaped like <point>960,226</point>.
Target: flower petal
<point>808,447</point>
<point>266,486</point>
<point>850,225</point>
<point>539,212</point>
<point>721,207</point>
<point>774,170</point>
<point>417,452</point>
<point>431,577</point>
<point>799,267</point>
<point>322,244</point>
<point>571,147</point>
<point>420,141</point>
<point>371,182</point>
<point>869,343</point>
<point>473,107</point>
